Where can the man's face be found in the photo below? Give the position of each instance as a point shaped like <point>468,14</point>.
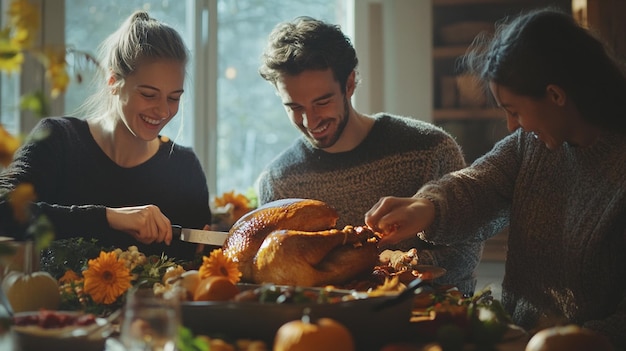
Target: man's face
<point>315,104</point>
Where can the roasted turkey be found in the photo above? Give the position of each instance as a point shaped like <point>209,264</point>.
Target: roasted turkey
<point>294,242</point>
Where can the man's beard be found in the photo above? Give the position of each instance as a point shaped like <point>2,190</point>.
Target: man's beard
<point>332,139</point>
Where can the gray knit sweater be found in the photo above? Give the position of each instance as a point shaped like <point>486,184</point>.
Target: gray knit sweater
<point>566,211</point>
<point>396,158</point>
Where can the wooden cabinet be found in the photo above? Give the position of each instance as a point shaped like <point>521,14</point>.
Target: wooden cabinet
<point>608,19</point>
<point>460,106</point>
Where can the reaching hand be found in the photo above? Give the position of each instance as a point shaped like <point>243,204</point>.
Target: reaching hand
<point>145,223</point>
<point>400,218</point>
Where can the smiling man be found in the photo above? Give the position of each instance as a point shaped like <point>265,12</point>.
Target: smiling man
<point>345,158</point>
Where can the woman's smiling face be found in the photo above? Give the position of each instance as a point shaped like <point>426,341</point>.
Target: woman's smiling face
<point>150,97</point>
<point>545,117</point>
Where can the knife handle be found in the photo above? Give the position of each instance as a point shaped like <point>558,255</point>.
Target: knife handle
<point>176,231</point>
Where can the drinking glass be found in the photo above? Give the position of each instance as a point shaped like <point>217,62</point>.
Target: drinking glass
<point>150,322</point>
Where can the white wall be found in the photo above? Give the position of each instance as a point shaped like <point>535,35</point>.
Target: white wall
<point>394,45</point>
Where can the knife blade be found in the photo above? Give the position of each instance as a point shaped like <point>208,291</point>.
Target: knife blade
<point>199,236</point>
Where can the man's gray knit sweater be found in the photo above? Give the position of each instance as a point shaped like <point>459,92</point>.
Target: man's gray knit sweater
<point>396,158</point>
<point>566,211</point>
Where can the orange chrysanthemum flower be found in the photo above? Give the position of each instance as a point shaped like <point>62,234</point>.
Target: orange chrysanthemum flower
<point>240,203</point>
<point>218,264</point>
<point>69,277</point>
<point>107,278</point>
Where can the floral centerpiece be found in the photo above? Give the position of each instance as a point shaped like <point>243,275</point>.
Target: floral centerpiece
<point>101,286</point>
<point>98,284</point>
<point>96,280</point>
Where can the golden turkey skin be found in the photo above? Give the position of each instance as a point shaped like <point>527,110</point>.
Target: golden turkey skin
<point>294,242</point>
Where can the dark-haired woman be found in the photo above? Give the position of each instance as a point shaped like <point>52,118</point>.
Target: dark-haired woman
<point>558,180</point>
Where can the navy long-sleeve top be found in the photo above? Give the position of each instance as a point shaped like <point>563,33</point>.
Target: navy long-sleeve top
<point>75,181</point>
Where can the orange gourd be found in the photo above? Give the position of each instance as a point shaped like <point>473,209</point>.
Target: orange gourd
<point>215,288</point>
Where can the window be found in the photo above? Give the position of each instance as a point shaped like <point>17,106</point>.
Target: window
<point>251,122</point>
<point>89,22</point>
<point>9,112</point>
<point>230,116</point>
<point>9,88</point>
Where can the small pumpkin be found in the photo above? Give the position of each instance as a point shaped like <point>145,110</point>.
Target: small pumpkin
<point>568,337</point>
<point>303,335</point>
<point>31,291</point>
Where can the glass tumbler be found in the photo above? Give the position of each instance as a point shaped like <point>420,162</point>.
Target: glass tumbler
<point>150,322</point>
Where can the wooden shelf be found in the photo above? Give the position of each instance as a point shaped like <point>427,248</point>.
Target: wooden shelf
<point>448,114</point>
<point>449,51</point>
<point>475,124</point>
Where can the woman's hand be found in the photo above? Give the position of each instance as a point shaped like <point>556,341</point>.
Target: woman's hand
<point>400,218</point>
<point>145,223</point>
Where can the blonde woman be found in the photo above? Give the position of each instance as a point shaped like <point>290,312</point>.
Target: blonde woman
<point>110,174</point>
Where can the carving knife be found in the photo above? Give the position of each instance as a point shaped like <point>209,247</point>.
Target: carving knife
<point>199,236</point>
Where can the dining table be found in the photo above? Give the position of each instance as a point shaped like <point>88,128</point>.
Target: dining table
<point>7,342</point>
<point>519,344</point>
<point>514,340</point>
